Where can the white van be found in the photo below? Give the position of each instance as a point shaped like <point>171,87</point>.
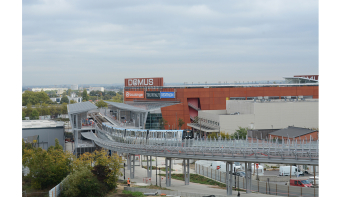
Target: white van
<point>285,171</point>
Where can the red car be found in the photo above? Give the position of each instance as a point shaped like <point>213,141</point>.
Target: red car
<point>300,183</point>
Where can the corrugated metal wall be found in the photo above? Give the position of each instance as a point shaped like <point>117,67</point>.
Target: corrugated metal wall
<point>47,136</point>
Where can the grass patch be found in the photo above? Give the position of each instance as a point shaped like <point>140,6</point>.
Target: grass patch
<point>162,169</point>
<point>146,160</point>
<point>152,187</point>
<point>195,178</point>
<point>136,194</point>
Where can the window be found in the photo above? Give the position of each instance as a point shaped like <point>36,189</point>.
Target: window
<point>295,182</point>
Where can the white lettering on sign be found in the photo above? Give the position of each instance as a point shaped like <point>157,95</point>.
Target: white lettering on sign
<point>128,94</point>
<point>140,82</point>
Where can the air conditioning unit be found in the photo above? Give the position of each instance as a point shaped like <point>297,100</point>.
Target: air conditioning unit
<point>260,97</point>
<point>266,97</point>
<point>301,97</point>
<point>288,97</point>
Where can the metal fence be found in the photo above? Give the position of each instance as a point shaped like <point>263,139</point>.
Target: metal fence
<point>256,186</point>
<point>168,192</point>
<point>54,192</point>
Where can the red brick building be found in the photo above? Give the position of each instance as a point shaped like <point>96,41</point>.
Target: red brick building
<point>191,98</point>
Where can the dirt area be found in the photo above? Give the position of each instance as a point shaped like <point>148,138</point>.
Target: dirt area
<point>192,166</point>
<point>120,188</point>
<point>118,191</point>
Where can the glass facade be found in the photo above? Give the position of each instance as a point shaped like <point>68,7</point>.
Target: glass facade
<point>153,121</point>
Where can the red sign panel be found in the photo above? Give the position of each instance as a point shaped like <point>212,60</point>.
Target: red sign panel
<point>136,82</point>
<point>134,94</point>
<point>257,165</point>
<point>218,167</point>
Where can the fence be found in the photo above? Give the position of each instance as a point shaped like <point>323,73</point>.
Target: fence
<point>167,192</point>
<point>54,192</point>
<point>203,168</point>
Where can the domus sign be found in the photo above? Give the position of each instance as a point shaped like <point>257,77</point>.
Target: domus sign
<point>134,94</point>
<point>133,82</point>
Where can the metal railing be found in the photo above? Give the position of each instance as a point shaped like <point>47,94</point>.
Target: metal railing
<point>224,150</point>
<point>256,186</point>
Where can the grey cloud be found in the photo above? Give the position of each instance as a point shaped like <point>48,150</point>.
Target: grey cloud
<point>173,39</point>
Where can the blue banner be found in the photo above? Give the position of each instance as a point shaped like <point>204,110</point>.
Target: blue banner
<point>167,95</point>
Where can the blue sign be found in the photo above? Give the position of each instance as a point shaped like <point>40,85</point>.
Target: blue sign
<point>167,95</point>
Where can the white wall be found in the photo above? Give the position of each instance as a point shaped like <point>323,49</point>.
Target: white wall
<point>230,123</point>
<point>267,115</point>
<point>284,114</point>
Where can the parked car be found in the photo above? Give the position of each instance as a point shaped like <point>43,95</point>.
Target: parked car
<point>241,174</point>
<point>300,183</point>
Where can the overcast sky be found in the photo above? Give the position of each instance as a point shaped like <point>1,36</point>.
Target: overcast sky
<point>103,42</point>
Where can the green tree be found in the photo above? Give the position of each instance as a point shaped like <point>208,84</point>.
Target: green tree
<point>82,182</point>
<point>68,92</point>
<point>85,95</point>
<point>64,108</point>
<point>23,115</point>
<point>101,103</point>
<point>72,102</point>
<point>163,123</point>
<point>118,98</point>
<point>34,115</point>
<point>28,110</point>
<point>180,123</point>
<point>241,132</point>
<point>107,97</point>
<point>47,168</point>
<point>34,97</point>
<point>45,109</point>
<point>64,100</point>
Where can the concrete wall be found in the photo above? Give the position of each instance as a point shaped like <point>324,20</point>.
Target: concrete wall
<point>283,114</point>
<point>47,135</point>
<point>205,114</point>
<point>268,115</point>
<point>243,107</point>
<point>230,123</point>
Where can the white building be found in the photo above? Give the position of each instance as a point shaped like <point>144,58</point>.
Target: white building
<point>96,89</point>
<point>75,98</point>
<point>74,87</point>
<point>59,90</point>
<point>274,114</point>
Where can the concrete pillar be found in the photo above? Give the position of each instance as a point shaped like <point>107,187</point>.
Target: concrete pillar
<point>228,178</point>
<point>149,166</point>
<point>131,158</point>
<point>231,179</point>
<point>186,171</point>
<point>248,177</point>
<point>168,171</point>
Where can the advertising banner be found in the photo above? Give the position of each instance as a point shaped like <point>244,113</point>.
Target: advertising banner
<point>134,94</point>
<point>153,94</point>
<point>167,94</point>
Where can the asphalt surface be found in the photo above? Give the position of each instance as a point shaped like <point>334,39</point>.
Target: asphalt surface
<point>141,174</point>
<point>263,188</point>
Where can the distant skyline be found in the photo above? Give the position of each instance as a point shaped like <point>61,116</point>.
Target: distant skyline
<point>103,42</point>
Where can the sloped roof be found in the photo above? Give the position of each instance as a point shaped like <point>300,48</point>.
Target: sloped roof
<point>292,132</point>
<point>126,107</point>
<point>81,107</point>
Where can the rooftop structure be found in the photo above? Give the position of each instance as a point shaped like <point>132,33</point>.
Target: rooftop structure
<point>299,79</point>
<point>292,132</point>
<point>41,123</point>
